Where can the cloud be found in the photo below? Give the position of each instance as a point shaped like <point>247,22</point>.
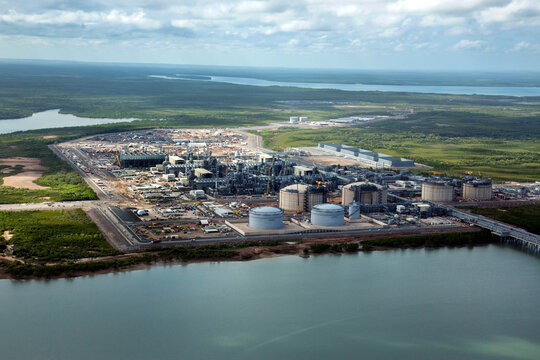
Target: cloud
<point>526,46</point>
<point>470,45</point>
<point>376,26</point>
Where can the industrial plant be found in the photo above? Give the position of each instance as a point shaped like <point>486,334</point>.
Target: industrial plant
<point>170,186</point>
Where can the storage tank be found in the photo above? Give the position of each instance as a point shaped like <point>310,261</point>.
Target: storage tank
<point>266,218</point>
<point>300,197</point>
<point>328,215</point>
<point>354,211</point>
<point>477,189</point>
<point>364,194</point>
<point>439,191</point>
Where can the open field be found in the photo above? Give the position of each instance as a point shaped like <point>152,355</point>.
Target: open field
<point>31,170</point>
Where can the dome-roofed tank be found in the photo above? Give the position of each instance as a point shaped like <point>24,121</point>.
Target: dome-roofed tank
<point>354,210</point>
<point>266,218</point>
<point>437,191</point>
<point>300,197</point>
<point>477,189</point>
<point>328,215</point>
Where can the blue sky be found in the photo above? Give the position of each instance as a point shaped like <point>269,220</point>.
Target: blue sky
<point>362,34</point>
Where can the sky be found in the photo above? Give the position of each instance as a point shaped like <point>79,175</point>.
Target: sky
<point>362,34</point>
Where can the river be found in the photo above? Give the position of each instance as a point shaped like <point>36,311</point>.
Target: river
<point>429,89</point>
<point>479,303</point>
<point>51,119</point>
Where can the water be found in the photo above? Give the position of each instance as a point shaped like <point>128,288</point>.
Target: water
<point>454,90</point>
<point>477,303</point>
<point>51,119</point>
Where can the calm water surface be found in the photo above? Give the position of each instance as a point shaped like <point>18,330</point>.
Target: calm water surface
<point>481,303</point>
<point>51,119</point>
<point>454,90</point>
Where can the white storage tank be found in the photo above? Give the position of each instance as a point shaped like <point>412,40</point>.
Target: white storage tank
<point>266,218</point>
<point>477,190</point>
<point>364,193</point>
<point>328,215</point>
<point>354,211</point>
<point>437,191</point>
<point>300,197</point>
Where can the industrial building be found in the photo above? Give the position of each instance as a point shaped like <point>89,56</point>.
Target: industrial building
<point>140,159</point>
<point>438,191</point>
<point>376,159</point>
<point>477,189</point>
<point>301,198</point>
<point>364,193</point>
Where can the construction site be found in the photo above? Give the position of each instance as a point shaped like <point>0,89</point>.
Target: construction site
<point>166,187</point>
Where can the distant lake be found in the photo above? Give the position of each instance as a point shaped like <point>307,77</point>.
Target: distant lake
<point>51,119</point>
<point>430,89</point>
<point>462,303</point>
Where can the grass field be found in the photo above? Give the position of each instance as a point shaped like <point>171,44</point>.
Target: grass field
<point>498,158</point>
<point>53,236</point>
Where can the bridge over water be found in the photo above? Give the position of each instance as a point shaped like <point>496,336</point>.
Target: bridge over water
<point>508,233</point>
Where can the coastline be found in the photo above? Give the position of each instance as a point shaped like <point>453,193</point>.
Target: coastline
<point>472,237</point>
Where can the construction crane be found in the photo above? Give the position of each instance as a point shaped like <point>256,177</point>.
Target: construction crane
<point>269,174</point>
<point>117,159</point>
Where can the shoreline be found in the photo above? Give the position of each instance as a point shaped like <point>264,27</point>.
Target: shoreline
<point>182,256</point>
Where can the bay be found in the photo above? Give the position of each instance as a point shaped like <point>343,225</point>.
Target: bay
<point>461,303</point>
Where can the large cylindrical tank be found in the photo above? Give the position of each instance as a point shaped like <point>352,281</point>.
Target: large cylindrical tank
<point>364,194</point>
<point>328,215</point>
<point>437,191</point>
<point>477,190</point>
<point>266,218</point>
<point>300,197</point>
<point>354,211</point>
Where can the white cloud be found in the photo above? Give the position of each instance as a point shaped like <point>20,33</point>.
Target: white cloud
<point>526,46</point>
<point>437,20</point>
<point>470,45</point>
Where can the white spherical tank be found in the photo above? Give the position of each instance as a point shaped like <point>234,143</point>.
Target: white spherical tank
<point>266,218</point>
<point>354,211</point>
<point>328,215</point>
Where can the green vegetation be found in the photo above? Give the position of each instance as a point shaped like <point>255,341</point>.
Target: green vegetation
<point>435,240</point>
<point>53,236</point>
<point>319,248</point>
<point>524,216</point>
<point>500,158</point>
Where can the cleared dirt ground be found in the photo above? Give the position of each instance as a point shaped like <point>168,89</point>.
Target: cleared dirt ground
<point>32,170</point>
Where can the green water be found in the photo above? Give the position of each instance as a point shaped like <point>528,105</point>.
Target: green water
<point>481,303</point>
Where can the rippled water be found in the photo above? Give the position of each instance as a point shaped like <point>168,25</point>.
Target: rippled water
<point>480,303</point>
